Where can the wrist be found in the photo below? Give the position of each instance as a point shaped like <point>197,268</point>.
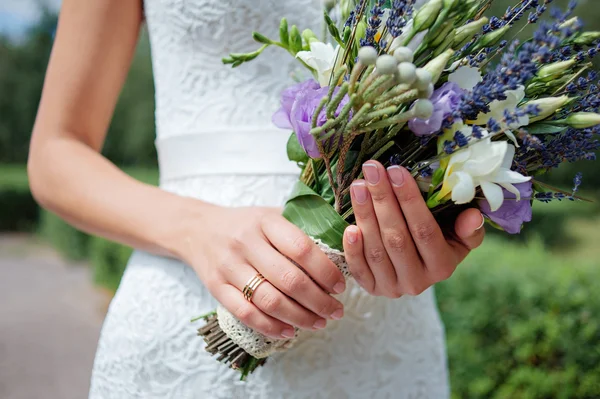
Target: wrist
<point>188,215</point>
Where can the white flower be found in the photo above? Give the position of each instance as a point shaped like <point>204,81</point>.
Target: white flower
<point>497,108</point>
<point>321,58</point>
<point>485,163</point>
<point>414,43</point>
<point>466,77</point>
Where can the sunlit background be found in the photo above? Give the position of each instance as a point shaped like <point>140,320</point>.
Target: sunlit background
<point>522,314</point>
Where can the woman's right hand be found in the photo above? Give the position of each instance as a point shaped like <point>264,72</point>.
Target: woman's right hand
<point>229,246</point>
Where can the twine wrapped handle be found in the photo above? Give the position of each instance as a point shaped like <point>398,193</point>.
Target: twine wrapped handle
<point>243,348</point>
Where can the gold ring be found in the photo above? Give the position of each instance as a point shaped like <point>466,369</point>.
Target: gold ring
<point>252,285</point>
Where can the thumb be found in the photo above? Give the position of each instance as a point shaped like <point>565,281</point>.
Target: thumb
<point>469,228</point>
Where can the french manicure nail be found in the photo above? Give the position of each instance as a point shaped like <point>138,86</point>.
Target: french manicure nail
<point>288,333</point>
<point>321,323</point>
<point>359,190</point>
<point>339,287</point>
<point>352,234</point>
<point>371,172</point>
<point>337,314</point>
<point>396,175</point>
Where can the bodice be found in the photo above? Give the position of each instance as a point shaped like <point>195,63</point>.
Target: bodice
<point>195,91</point>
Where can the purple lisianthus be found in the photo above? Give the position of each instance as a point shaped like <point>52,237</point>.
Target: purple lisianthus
<point>298,105</point>
<point>445,100</point>
<point>512,214</point>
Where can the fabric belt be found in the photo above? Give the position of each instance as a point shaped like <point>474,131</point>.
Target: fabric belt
<point>245,152</point>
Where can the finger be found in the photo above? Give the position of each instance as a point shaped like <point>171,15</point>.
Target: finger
<point>425,231</point>
<point>394,232</point>
<point>355,257</point>
<point>233,300</point>
<point>294,282</point>
<point>272,302</point>
<point>296,245</point>
<point>469,232</point>
<point>374,251</point>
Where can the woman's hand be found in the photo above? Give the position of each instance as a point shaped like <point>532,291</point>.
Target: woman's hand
<point>397,247</point>
<point>232,245</point>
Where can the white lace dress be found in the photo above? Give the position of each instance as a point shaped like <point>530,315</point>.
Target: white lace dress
<point>216,143</point>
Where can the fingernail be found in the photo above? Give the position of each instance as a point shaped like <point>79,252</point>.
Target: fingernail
<point>352,234</point>
<point>337,314</point>
<point>482,223</point>
<point>288,333</point>
<point>321,323</point>
<point>360,192</point>
<point>339,287</point>
<point>396,175</point>
<point>371,172</point>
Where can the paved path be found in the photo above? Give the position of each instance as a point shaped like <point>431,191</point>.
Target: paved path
<point>50,319</point>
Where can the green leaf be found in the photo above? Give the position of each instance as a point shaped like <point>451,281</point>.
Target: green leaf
<point>545,128</point>
<point>295,152</point>
<point>313,215</point>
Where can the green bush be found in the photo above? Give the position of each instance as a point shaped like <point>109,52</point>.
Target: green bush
<point>67,240</point>
<point>18,210</point>
<point>522,323</point>
<point>108,261</point>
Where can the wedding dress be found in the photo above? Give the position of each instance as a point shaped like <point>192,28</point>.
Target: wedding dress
<point>216,143</point>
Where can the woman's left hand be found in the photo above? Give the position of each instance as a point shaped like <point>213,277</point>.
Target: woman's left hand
<point>397,247</point>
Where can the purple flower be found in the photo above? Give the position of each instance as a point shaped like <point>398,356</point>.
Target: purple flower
<point>445,101</point>
<point>281,118</point>
<point>298,105</point>
<point>512,214</point>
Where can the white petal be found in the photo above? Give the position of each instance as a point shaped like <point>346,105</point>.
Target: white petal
<point>512,189</point>
<point>508,176</point>
<point>508,156</point>
<point>487,160</point>
<point>493,194</point>
<point>322,51</point>
<point>465,77</point>
<point>511,136</point>
<point>417,40</point>
<point>463,190</point>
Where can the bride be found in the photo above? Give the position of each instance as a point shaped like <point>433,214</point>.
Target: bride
<point>215,221</point>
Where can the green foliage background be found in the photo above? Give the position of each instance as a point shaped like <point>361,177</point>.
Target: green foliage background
<point>522,313</point>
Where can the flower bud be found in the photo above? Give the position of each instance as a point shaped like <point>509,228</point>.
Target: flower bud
<point>427,15</point>
<point>424,79</point>
<point>569,23</point>
<point>367,55</point>
<point>386,65</point>
<point>491,38</point>
<point>309,36</point>
<point>423,109</point>
<point>555,68</point>
<point>587,38</point>
<point>468,31</point>
<point>439,37</point>
<point>407,72</point>
<point>547,106</point>
<point>361,31</point>
<point>437,65</point>
<point>427,93</point>
<point>404,54</point>
<point>583,120</point>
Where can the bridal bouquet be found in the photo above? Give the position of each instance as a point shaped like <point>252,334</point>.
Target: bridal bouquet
<point>442,90</point>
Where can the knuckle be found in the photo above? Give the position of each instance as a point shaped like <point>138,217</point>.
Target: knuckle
<point>302,246</point>
<point>293,281</point>
<point>330,275</point>
<point>270,303</point>
<point>416,289</point>
<point>395,240</point>
<point>375,256</point>
<point>244,313</point>
<point>410,197</point>
<point>325,308</point>
<point>443,273</point>
<point>379,196</point>
<point>394,293</point>
<point>424,232</point>
<point>364,213</point>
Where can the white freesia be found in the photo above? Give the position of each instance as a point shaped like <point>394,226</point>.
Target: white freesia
<point>466,77</point>
<point>414,43</point>
<point>321,58</point>
<point>484,164</point>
